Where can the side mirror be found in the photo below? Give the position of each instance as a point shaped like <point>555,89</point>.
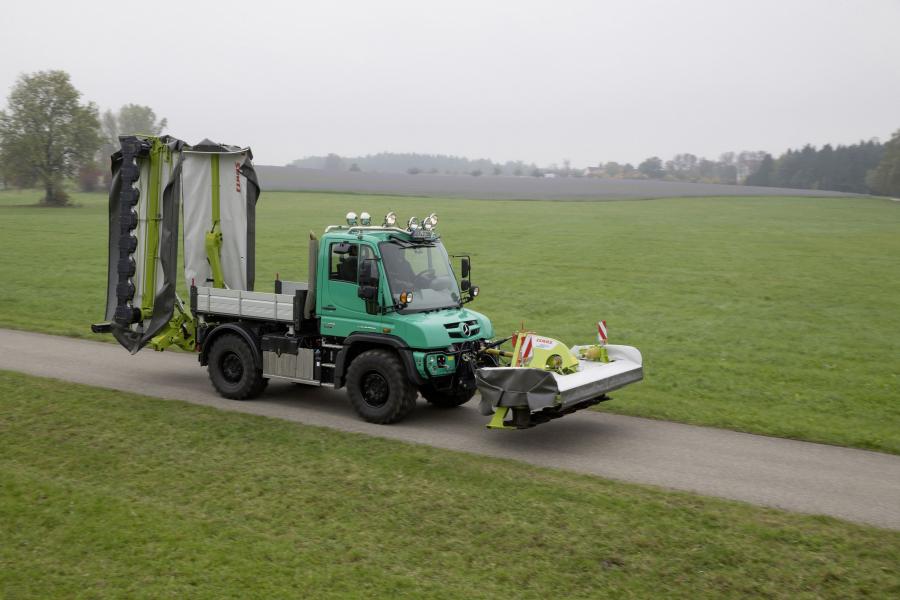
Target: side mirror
<point>368,284</point>
<point>368,293</point>
<point>466,267</point>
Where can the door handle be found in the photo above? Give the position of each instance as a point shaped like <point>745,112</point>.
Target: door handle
<point>329,307</point>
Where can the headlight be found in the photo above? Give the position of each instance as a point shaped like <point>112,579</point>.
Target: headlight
<point>390,219</point>
<point>412,224</point>
<point>365,218</point>
<point>351,218</point>
<point>434,219</point>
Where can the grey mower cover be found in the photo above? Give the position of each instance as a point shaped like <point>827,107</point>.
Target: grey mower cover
<point>143,238</point>
<point>214,174</point>
<point>538,389</point>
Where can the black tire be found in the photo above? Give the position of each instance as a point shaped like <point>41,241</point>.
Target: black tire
<point>232,368</point>
<point>379,388</point>
<point>448,399</point>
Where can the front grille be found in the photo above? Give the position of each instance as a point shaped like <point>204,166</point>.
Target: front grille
<point>455,330</point>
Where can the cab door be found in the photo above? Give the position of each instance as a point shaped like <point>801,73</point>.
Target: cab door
<point>341,309</point>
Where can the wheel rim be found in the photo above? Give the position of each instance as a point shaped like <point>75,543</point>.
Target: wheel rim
<point>375,389</point>
<point>232,367</point>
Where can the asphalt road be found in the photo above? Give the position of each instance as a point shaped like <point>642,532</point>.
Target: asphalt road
<point>851,484</point>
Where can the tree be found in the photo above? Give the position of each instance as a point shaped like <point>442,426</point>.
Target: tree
<point>46,134</point>
<point>683,167</point>
<point>612,169</point>
<point>89,176</point>
<point>354,168</point>
<point>333,162</point>
<point>763,174</point>
<point>885,178</point>
<point>652,168</point>
<point>130,119</point>
<point>748,162</point>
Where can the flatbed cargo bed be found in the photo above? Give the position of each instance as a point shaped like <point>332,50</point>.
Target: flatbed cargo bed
<point>265,306</point>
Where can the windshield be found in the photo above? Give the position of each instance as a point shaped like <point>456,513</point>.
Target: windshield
<point>423,270</point>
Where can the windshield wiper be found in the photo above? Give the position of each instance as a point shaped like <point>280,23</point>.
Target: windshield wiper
<point>427,310</point>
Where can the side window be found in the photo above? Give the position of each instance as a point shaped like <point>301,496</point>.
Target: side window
<point>344,262</point>
<point>366,265</point>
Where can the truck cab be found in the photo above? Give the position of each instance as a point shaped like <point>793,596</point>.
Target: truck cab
<point>383,315</point>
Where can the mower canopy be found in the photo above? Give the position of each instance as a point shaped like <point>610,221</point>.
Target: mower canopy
<point>536,395</point>
<point>152,178</point>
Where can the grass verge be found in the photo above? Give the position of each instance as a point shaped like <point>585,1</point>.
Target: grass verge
<point>771,315</point>
<point>111,494</point>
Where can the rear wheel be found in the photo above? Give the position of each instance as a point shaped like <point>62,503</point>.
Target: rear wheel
<point>446,399</point>
<point>232,368</point>
<point>378,387</point>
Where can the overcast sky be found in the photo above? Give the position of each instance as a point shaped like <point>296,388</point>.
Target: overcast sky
<point>537,81</point>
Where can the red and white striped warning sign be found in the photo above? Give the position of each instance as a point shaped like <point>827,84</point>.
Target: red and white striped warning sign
<point>601,332</point>
<point>527,350</point>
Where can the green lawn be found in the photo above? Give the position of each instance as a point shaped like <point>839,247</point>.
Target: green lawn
<point>771,315</point>
<point>104,494</point>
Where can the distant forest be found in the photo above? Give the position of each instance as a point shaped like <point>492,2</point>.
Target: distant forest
<point>413,164</point>
<point>855,168</point>
<point>842,168</point>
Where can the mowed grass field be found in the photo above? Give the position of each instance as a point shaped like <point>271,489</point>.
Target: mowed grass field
<point>104,494</point>
<point>770,315</point>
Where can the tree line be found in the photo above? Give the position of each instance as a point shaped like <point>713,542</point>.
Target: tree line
<point>853,168</point>
<point>867,167</point>
<point>414,164</point>
<point>843,168</point>
<point>48,136</point>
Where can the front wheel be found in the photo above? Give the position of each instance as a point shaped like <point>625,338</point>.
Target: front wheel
<point>378,387</point>
<point>446,399</point>
<point>232,368</point>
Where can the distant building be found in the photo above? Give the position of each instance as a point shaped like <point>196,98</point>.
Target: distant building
<point>594,172</point>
